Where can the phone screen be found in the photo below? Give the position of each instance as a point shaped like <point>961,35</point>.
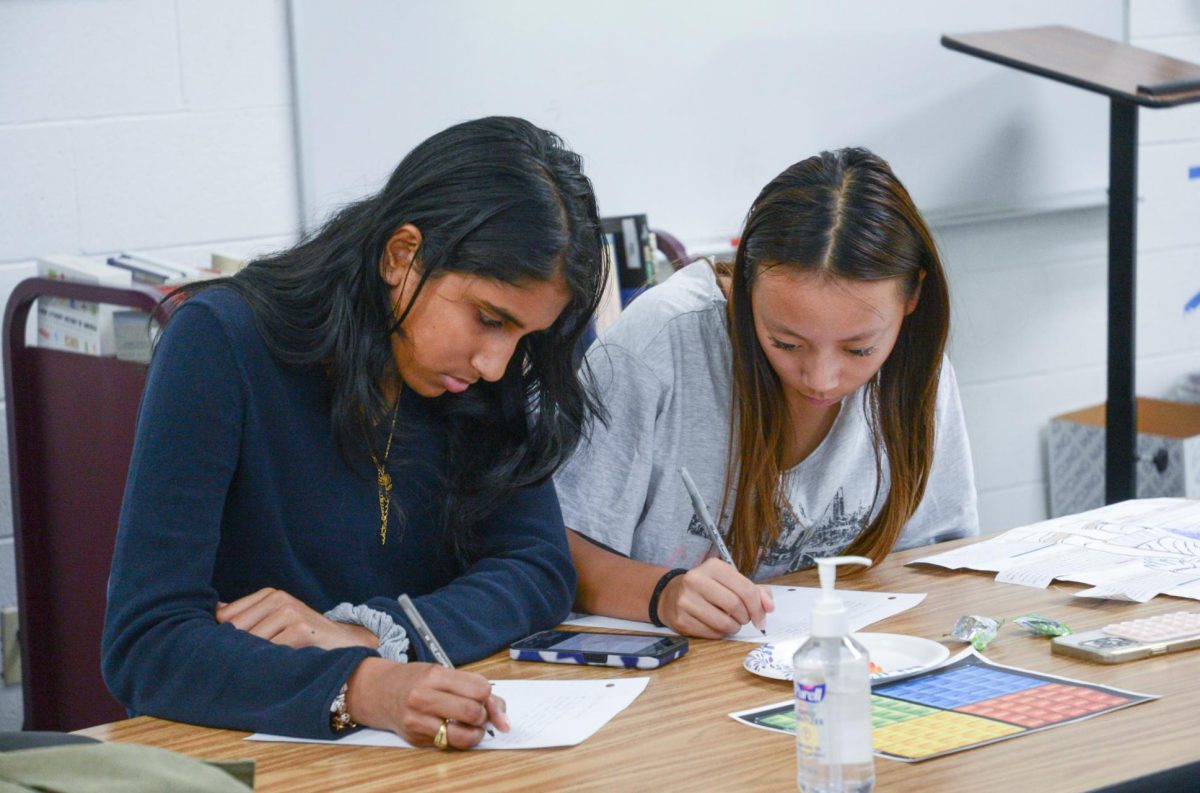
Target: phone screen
<point>606,643</point>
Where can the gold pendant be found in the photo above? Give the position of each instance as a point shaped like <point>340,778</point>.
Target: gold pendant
<point>383,478</point>
<point>385,500</point>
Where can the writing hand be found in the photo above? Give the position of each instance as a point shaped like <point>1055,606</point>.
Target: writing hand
<point>276,616</point>
<point>713,600</point>
<point>413,699</point>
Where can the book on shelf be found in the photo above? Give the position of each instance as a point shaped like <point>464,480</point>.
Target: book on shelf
<point>73,330</point>
<point>629,240</point>
<point>77,325</point>
<point>133,334</point>
<point>609,308</point>
<point>153,270</point>
<point>100,329</point>
<point>227,263</point>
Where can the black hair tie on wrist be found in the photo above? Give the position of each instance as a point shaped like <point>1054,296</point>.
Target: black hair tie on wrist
<point>658,590</point>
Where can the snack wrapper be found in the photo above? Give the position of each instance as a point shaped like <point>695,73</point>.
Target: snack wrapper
<point>976,629</point>
<point>1042,626</point>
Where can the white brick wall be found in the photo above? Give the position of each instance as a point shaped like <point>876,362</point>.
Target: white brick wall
<point>152,125</point>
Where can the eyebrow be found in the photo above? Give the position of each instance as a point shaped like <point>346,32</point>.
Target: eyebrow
<point>849,340</point>
<point>504,315</point>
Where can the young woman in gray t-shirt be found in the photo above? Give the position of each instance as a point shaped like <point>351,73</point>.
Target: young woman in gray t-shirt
<point>805,388</point>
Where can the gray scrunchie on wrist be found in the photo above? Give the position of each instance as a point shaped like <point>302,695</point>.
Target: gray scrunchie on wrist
<point>393,639</point>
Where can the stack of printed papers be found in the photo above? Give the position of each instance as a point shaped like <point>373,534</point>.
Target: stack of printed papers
<point>1133,550</point>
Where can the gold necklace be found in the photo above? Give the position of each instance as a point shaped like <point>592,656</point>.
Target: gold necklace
<point>383,478</point>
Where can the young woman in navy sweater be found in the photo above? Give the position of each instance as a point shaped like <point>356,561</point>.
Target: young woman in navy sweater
<point>376,411</point>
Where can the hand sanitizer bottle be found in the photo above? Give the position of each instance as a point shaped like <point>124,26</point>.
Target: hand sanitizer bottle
<point>833,697</point>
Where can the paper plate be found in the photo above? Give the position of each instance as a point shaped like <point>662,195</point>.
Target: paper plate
<point>895,653</point>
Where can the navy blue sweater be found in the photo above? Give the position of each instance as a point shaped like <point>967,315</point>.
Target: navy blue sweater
<point>236,484</point>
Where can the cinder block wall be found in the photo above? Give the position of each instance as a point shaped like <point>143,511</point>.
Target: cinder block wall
<point>153,125</point>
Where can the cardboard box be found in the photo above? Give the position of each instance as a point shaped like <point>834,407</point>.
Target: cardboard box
<point>1168,448</point>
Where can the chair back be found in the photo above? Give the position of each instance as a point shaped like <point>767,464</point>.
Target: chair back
<point>672,248</point>
<point>71,420</point>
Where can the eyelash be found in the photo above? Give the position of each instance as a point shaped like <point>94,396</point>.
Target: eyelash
<point>489,322</point>
<point>863,352</point>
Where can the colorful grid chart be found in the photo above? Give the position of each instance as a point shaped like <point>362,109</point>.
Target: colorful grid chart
<point>966,704</point>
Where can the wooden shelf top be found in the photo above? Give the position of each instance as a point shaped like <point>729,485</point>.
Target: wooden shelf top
<point>1087,61</point>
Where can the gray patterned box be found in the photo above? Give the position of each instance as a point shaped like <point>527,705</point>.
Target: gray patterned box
<point>1168,450</point>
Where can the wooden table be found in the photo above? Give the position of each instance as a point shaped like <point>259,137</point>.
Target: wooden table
<point>677,734</point>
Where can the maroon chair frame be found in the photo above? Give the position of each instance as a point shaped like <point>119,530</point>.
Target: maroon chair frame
<point>672,248</point>
<point>71,420</point>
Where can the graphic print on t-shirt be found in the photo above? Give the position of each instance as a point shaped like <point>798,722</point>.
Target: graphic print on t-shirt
<point>801,539</point>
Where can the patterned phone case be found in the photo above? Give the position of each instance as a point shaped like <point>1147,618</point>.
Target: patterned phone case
<point>595,659</point>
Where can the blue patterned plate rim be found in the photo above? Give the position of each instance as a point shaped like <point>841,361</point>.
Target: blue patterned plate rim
<point>896,653</point>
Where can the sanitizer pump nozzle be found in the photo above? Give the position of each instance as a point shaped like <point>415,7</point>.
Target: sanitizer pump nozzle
<point>829,612</point>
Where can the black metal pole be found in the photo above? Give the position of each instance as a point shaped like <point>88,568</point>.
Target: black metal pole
<point>1120,473</point>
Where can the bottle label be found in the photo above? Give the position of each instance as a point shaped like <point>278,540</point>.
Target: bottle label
<point>810,718</point>
<point>810,692</point>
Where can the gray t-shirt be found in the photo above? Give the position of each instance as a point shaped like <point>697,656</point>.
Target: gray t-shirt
<point>663,371</point>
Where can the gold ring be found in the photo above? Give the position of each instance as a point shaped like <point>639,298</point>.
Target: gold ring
<point>441,740</point>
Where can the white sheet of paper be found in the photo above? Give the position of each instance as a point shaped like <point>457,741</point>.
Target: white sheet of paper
<point>1137,582</point>
<point>1056,562</point>
<point>991,555</point>
<point>543,713</point>
<point>790,619</point>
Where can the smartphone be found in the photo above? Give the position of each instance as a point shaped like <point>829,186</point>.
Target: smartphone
<point>623,650</point>
<point>1105,648</point>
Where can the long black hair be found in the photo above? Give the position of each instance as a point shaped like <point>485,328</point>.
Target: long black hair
<point>494,198</point>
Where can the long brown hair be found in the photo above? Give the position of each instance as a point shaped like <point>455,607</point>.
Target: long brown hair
<point>841,214</point>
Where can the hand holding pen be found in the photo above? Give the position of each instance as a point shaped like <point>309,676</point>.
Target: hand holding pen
<point>713,599</point>
<point>425,704</point>
<point>409,608</point>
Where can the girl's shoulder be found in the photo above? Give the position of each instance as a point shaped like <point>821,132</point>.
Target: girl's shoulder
<point>218,304</point>
<point>686,309</point>
<point>220,316</point>
<point>947,390</point>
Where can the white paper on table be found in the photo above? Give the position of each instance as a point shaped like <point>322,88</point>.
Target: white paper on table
<point>1133,550</point>
<point>1139,582</point>
<point>992,555</point>
<point>543,714</point>
<point>791,617</point>
<point>1058,561</point>
<point>1191,590</point>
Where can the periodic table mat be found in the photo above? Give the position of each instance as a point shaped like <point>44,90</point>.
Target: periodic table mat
<point>967,703</point>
